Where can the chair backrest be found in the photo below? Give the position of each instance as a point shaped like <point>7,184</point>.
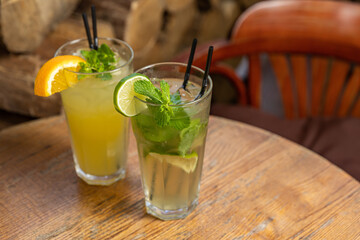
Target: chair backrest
<point>314,51</point>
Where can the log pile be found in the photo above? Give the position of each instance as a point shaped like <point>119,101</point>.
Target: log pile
<point>18,71</point>
<point>171,25</point>
<point>24,24</point>
<point>31,31</point>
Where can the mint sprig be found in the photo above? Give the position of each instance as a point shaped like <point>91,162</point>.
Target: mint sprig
<point>162,113</point>
<point>98,61</point>
<point>170,120</point>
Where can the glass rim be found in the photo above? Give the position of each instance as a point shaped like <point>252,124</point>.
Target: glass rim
<point>100,38</point>
<point>207,92</point>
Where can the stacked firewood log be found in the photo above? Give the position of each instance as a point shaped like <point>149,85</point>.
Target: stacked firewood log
<point>31,31</point>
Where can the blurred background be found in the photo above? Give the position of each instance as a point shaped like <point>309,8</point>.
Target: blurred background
<point>157,30</point>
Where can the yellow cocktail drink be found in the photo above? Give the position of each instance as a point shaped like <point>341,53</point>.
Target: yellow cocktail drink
<point>99,135</point>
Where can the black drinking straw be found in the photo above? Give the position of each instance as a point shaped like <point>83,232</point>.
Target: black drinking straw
<point>207,68</point>
<point>188,68</point>
<point>93,15</point>
<point>88,34</point>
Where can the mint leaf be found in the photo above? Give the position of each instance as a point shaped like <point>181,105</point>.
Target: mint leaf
<point>159,94</point>
<point>165,91</point>
<point>179,124</point>
<point>145,123</point>
<point>86,68</point>
<point>187,136</point>
<point>180,120</point>
<point>98,61</point>
<point>106,55</point>
<point>147,89</point>
<point>175,98</point>
<point>105,76</point>
<point>163,115</point>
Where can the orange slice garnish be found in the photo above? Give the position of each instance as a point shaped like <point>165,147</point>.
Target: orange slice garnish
<point>53,76</point>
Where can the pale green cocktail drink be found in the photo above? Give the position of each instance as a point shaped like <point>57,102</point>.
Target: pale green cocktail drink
<point>171,154</point>
<point>99,135</point>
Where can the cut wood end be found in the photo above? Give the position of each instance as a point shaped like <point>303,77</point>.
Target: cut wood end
<point>25,23</point>
<point>138,32</point>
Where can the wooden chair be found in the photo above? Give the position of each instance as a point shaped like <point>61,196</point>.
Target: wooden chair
<point>314,51</point>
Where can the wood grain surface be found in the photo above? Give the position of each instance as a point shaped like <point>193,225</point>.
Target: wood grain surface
<point>255,185</point>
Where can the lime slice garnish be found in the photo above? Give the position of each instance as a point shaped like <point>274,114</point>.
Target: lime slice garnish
<point>124,96</point>
<point>187,163</point>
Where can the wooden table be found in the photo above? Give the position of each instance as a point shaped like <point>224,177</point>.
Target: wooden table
<point>255,185</point>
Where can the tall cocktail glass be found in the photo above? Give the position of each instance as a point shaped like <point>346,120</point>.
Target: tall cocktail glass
<point>99,135</point>
<point>171,157</point>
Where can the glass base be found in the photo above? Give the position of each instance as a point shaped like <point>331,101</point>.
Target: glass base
<point>170,214</point>
<point>100,180</point>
